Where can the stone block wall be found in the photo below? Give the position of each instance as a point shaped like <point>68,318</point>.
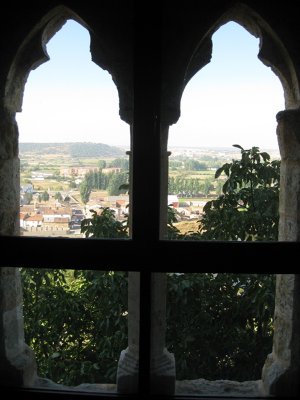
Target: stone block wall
<point>18,366</point>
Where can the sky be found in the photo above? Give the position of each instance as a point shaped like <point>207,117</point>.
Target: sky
<point>232,100</point>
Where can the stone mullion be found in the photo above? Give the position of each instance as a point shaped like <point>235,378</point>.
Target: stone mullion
<point>128,367</point>
<point>162,361</point>
<point>288,131</point>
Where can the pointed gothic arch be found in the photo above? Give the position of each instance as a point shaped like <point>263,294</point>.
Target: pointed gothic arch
<point>32,53</point>
<point>272,52</point>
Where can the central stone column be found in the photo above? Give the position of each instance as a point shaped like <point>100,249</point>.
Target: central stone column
<point>163,373</point>
<point>128,366</point>
<point>162,367</point>
<point>162,362</point>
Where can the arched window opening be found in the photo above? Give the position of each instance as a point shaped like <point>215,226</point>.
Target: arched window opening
<point>74,158</point>
<point>72,142</point>
<point>232,101</point>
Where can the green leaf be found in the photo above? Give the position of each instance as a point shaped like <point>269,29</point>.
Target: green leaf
<point>124,186</point>
<point>218,172</point>
<point>238,146</point>
<point>55,355</point>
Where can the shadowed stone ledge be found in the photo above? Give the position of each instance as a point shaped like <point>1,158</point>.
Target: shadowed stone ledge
<point>205,387</point>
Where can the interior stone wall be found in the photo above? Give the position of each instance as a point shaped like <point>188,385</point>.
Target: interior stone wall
<point>281,368</point>
<point>18,366</point>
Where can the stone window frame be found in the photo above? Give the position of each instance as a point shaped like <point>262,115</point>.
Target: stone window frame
<point>149,140</point>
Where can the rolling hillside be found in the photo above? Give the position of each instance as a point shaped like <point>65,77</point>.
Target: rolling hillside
<point>79,149</point>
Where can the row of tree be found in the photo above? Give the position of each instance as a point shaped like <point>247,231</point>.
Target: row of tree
<point>179,185</point>
<point>189,164</point>
<point>183,162</point>
<point>193,187</point>
<point>98,180</point>
<point>122,163</point>
<point>43,196</point>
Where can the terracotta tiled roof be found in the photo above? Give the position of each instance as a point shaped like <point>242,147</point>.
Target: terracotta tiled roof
<point>59,220</point>
<point>36,217</point>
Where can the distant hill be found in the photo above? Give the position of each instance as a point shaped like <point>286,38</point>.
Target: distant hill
<point>78,149</point>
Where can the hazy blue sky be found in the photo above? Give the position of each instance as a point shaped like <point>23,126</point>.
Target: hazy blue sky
<point>234,99</point>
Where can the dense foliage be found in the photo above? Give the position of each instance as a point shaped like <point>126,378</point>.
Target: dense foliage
<point>76,322</point>
<point>219,326</point>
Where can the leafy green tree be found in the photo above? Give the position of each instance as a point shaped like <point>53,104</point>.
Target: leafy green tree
<point>187,187</point>
<point>72,184</point>
<point>120,163</point>
<point>27,198</point>
<point>207,187</point>
<point>104,225</point>
<point>172,231</point>
<point>45,196</point>
<point>58,196</point>
<point>248,208</point>
<point>85,191</point>
<point>194,165</point>
<point>97,179</point>
<point>101,164</point>
<point>219,187</point>
<point>116,182</point>
<point>174,164</point>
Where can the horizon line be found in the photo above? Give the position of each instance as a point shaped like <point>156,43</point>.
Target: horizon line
<point>126,145</point>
